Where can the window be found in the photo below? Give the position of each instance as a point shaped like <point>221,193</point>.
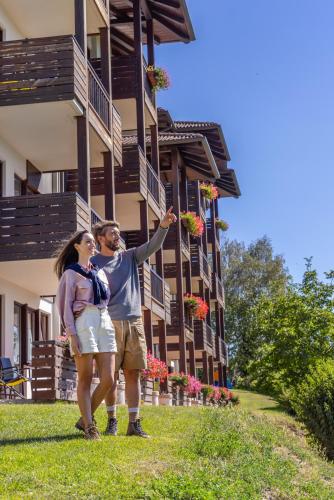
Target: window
<point>18,186</point>
<point>44,326</point>
<point>2,190</point>
<point>17,333</point>
<point>30,334</point>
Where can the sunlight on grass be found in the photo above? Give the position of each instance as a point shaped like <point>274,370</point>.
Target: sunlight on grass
<point>236,453</point>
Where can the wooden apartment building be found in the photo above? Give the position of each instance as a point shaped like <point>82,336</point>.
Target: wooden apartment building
<point>82,139</point>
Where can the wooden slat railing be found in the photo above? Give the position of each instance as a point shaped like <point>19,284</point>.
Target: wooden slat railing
<point>157,286</point>
<point>98,97</point>
<point>34,226</point>
<point>42,70</point>
<point>153,182</point>
<point>209,335</point>
<point>117,135</point>
<point>124,76</point>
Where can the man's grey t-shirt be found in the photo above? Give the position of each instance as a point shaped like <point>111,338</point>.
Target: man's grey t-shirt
<point>122,273</point>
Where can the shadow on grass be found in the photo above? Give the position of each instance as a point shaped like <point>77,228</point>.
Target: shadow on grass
<point>39,439</point>
<point>278,408</point>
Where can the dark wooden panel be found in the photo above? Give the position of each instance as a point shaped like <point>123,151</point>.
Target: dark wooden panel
<point>33,226</point>
<point>41,70</point>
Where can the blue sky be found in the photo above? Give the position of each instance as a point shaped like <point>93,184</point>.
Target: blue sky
<point>265,71</point>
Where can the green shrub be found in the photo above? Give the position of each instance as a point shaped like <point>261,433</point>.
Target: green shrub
<point>313,402</point>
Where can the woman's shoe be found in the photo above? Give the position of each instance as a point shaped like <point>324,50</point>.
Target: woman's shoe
<point>80,425</point>
<point>92,433</point>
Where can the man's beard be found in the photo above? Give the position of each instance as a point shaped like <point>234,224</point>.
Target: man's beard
<point>112,245</point>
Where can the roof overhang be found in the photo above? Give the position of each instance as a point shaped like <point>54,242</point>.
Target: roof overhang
<point>171,20</point>
<point>194,149</point>
<point>227,184</point>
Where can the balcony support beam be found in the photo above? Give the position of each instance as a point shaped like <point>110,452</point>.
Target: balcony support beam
<point>220,375</point>
<point>178,259</point>
<point>148,330</point>
<point>83,158</point>
<point>192,359</point>
<point>109,186</point>
<point>81,24</point>
<point>205,376</point>
<point>106,59</point>
<point>211,371</point>
<point>140,101</point>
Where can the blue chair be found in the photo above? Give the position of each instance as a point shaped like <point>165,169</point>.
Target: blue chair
<point>10,376</point>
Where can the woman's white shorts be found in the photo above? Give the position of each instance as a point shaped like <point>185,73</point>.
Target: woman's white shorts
<point>95,331</point>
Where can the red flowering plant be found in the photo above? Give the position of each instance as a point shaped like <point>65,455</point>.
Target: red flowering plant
<point>206,390</point>
<point>222,225</point>
<point>193,223</point>
<point>198,307</point>
<point>194,386</point>
<point>209,191</point>
<point>64,341</point>
<point>158,78</point>
<point>156,369</point>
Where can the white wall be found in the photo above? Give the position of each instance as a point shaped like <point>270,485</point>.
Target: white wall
<point>11,293</point>
<point>14,164</point>
<point>11,32</point>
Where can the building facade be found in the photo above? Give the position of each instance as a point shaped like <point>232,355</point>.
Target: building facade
<point>82,140</point>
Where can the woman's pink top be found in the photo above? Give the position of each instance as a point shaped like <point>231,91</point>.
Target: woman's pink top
<point>74,293</point>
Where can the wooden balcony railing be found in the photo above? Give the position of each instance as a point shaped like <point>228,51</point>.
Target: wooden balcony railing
<point>153,182</point>
<point>34,226</point>
<point>157,286</point>
<point>42,70</point>
<point>98,97</point>
<point>117,135</point>
<point>206,269</point>
<point>124,76</point>
<point>209,335</point>
<point>212,234</point>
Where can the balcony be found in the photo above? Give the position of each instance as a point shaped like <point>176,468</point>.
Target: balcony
<point>212,233</point>
<point>124,73</point>
<point>32,228</point>
<point>174,329</point>
<point>204,337</point>
<point>117,136</point>
<point>99,99</point>
<point>218,292</point>
<point>155,294</point>
<point>196,201</point>
<point>137,176</point>
<point>200,267</point>
<point>41,70</point>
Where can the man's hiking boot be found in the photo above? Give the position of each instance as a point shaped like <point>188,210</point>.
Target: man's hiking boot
<point>135,429</point>
<point>111,428</point>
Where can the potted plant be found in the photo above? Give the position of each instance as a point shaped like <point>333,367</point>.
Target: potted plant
<point>158,78</point>
<point>155,373</point>
<point>64,342</point>
<point>193,223</point>
<point>194,387</point>
<point>209,191</point>
<point>180,382</point>
<point>222,225</point>
<point>206,391</point>
<point>198,307</point>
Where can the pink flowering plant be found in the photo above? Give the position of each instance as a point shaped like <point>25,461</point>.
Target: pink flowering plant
<point>64,340</point>
<point>194,386</point>
<point>158,77</point>
<point>209,191</point>
<point>193,223</point>
<point>156,369</point>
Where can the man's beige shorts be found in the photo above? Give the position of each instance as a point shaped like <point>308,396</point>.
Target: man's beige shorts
<point>131,344</point>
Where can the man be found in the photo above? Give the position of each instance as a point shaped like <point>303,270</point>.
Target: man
<point>121,269</point>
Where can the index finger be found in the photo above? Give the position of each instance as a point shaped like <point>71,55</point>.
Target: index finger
<point>169,211</point>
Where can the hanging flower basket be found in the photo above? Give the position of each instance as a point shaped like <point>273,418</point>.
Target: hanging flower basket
<point>209,191</point>
<point>222,225</point>
<point>198,307</point>
<point>158,78</point>
<point>193,223</point>
<point>179,379</point>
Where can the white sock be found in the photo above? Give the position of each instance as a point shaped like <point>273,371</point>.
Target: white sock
<point>112,411</point>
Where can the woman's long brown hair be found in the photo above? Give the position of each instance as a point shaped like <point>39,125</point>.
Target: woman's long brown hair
<point>68,254</point>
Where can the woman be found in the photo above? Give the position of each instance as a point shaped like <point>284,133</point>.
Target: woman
<point>82,300</point>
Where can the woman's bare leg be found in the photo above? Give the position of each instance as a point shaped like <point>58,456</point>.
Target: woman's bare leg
<point>84,364</point>
<point>106,366</point>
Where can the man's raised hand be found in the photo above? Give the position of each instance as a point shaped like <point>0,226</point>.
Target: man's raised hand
<point>168,219</point>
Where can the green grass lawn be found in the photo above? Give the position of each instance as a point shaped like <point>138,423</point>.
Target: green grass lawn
<point>253,451</point>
